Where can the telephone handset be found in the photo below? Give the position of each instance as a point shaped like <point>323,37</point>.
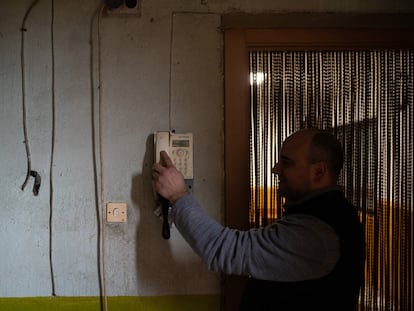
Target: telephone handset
<point>179,147</point>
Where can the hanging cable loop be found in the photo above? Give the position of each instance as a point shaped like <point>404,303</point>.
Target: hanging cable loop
<point>26,139</point>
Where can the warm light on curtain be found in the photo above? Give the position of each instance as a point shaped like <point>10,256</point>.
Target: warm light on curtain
<point>366,98</point>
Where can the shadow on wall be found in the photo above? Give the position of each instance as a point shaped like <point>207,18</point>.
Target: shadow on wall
<point>158,270</point>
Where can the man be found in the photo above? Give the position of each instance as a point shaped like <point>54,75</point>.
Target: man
<point>312,258</point>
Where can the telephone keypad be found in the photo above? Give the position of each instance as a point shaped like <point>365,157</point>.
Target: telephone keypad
<point>180,159</point>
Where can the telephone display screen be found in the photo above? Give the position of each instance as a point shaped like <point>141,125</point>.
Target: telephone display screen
<point>181,143</point>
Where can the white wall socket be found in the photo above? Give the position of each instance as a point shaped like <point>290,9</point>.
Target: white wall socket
<point>116,212</point>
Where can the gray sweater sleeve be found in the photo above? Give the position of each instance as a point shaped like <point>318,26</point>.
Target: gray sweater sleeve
<point>295,248</point>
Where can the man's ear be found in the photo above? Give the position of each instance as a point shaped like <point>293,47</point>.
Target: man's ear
<point>320,171</point>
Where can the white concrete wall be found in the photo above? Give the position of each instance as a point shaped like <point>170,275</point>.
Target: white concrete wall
<point>139,88</point>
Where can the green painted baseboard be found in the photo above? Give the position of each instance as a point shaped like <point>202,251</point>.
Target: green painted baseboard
<point>156,303</point>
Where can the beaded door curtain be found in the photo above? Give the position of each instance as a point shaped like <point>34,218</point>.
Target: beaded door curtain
<point>366,99</point>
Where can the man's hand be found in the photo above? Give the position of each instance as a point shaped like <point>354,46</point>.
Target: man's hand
<point>167,181</point>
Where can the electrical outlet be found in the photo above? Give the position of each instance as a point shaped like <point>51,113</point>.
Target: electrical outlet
<point>116,212</point>
<point>127,7</point>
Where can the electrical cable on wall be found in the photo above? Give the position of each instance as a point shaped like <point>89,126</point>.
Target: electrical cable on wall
<point>94,162</point>
<point>29,171</point>
<point>102,200</point>
<point>170,72</point>
<point>52,151</point>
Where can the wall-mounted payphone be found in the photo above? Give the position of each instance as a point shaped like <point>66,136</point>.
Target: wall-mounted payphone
<point>180,149</point>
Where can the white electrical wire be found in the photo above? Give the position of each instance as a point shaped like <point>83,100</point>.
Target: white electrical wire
<point>102,201</point>
<point>52,149</point>
<point>26,138</point>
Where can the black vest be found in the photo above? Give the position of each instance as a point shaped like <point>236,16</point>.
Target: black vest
<point>336,291</point>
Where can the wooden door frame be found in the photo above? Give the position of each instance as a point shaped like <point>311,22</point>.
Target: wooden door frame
<point>246,32</point>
